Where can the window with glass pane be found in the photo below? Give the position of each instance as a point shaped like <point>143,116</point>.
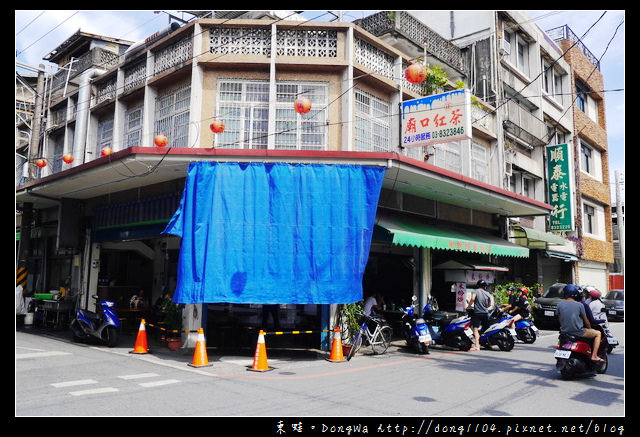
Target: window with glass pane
<point>244,108</point>
<point>373,123</point>
<point>105,134</point>
<point>172,116</point>
<point>479,162</point>
<point>448,155</point>
<point>589,219</point>
<point>301,131</point>
<point>133,126</point>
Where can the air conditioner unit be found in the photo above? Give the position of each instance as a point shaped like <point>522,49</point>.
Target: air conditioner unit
<point>504,47</point>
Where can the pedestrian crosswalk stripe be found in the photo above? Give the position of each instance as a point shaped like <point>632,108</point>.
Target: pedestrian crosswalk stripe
<point>93,391</point>
<point>139,376</point>
<point>158,383</point>
<point>42,354</point>
<point>74,383</point>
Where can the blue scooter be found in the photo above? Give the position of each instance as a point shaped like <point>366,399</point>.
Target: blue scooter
<point>103,325</point>
<point>414,329</point>
<point>499,332</point>
<point>526,331</point>
<point>446,331</point>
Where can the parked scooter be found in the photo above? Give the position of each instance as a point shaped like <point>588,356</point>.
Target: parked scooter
<point>500,331</point>
<point>414,329</point>
<point>445,331</point>
<point>526,331</point>
<point>103,325</point>
<point>573,356</point>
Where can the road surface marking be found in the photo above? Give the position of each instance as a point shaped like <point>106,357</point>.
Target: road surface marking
<point>139,376</point>
<point>158,383</point>
<point>93,391</point>
<point>74,383</point>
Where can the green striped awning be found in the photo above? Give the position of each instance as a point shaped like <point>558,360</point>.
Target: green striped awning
<point>410,232</point>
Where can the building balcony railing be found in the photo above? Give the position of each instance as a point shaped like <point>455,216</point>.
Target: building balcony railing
<point>96,57</point>
<point>564,32</point>
<point>416,31</point>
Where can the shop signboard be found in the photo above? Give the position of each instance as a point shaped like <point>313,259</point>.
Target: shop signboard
<point>460,288</point>
<point>560,186</point>
<point>440,118</point>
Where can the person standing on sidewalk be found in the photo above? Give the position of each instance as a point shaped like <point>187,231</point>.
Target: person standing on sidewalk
<point>480,302</point>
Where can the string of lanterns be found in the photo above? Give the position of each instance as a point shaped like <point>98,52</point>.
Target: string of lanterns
<point>302,105</point>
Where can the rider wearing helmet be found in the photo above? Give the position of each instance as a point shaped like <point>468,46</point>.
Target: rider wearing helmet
<point>596,305</point>
<point>573,319</point>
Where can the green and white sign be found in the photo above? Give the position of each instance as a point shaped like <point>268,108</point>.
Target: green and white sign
<point>560,183</point>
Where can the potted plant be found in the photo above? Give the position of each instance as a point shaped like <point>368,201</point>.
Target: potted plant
<point>349,318</point>
<point>172,322</point>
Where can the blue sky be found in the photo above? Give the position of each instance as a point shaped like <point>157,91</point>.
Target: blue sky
<point>38,32</point>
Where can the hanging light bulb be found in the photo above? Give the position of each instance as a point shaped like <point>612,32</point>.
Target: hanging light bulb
<point>416,73</point>
<point>302,105</point>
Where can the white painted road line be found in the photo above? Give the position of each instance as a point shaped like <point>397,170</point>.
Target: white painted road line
<point>139,376</point>
<point>42,354</point>
<point>93,391</point>
<point>74,383</point>
<point>158,383</point>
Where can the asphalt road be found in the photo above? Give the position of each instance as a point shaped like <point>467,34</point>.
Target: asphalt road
<point>56,377</point>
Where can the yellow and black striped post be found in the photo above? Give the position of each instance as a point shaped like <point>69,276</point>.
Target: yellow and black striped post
<point>21,276</point>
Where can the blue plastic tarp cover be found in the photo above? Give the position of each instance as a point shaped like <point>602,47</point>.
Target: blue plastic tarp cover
<point>274,233</point>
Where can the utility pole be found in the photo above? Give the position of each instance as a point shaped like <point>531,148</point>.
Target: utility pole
<point>620,220</point>
<point>34,145</point>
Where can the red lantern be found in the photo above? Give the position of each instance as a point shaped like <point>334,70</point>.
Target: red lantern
<point>217,126</point>
<point>302,105</point>
<point>40,162</point>
<point>415,73</point>
<point>106,151</point>
<point>68,158</point>
<point>161,140</point>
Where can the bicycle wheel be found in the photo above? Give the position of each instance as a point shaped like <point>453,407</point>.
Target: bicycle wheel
<point>355,344</point>
<point>381,341</point>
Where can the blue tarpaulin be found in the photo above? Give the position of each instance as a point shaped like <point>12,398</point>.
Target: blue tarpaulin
<point>274,233</point>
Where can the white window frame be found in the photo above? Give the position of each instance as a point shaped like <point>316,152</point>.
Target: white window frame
<point>590,160</point>
<point>308,131</point>
<point>132,132</point>
<point>172,109</point>
<point>593,220</point>
<point>373,123</point>
<point>105,133</point>
<point>449,156</point>
<point>479,158</point>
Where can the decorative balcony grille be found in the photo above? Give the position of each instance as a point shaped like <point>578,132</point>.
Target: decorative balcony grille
<point>96,57</point>
<point>240,41</point>
<point>300,42</point>
<point>373,58</point>
<point>173,55</point>
<point>106,90</point>
<point>135,75</point>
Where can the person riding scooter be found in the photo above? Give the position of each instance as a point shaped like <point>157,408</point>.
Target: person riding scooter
<point>573,319</point>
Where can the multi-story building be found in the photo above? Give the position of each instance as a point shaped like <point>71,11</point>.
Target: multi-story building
<point>508,62</point>
<point>96,221</point>
<point>593,233</point>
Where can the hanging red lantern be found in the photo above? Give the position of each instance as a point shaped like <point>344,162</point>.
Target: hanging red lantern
<point>68,158</point>
<point>302,105</point>
<point>416,73</point>
<point>217,126</point>
<point>40,162</point>
<point>161,140</point>
<point>106,151</point>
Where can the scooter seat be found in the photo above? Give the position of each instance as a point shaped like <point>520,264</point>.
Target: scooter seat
<point>89,314</point>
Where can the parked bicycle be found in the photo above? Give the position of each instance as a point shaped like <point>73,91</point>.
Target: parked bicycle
<point>379,339</point>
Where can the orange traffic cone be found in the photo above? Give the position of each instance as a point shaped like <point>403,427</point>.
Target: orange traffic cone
<point>336,348</point>
<point>200,353</point>
<point>141,346</point>
<point>260,357</point>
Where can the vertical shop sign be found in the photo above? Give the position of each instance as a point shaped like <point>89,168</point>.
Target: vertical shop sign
<point>440,118</point>
<point>559,162</point>
<point>460,288</point>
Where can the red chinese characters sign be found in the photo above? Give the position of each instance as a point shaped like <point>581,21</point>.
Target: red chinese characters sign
<point>440,118</point>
